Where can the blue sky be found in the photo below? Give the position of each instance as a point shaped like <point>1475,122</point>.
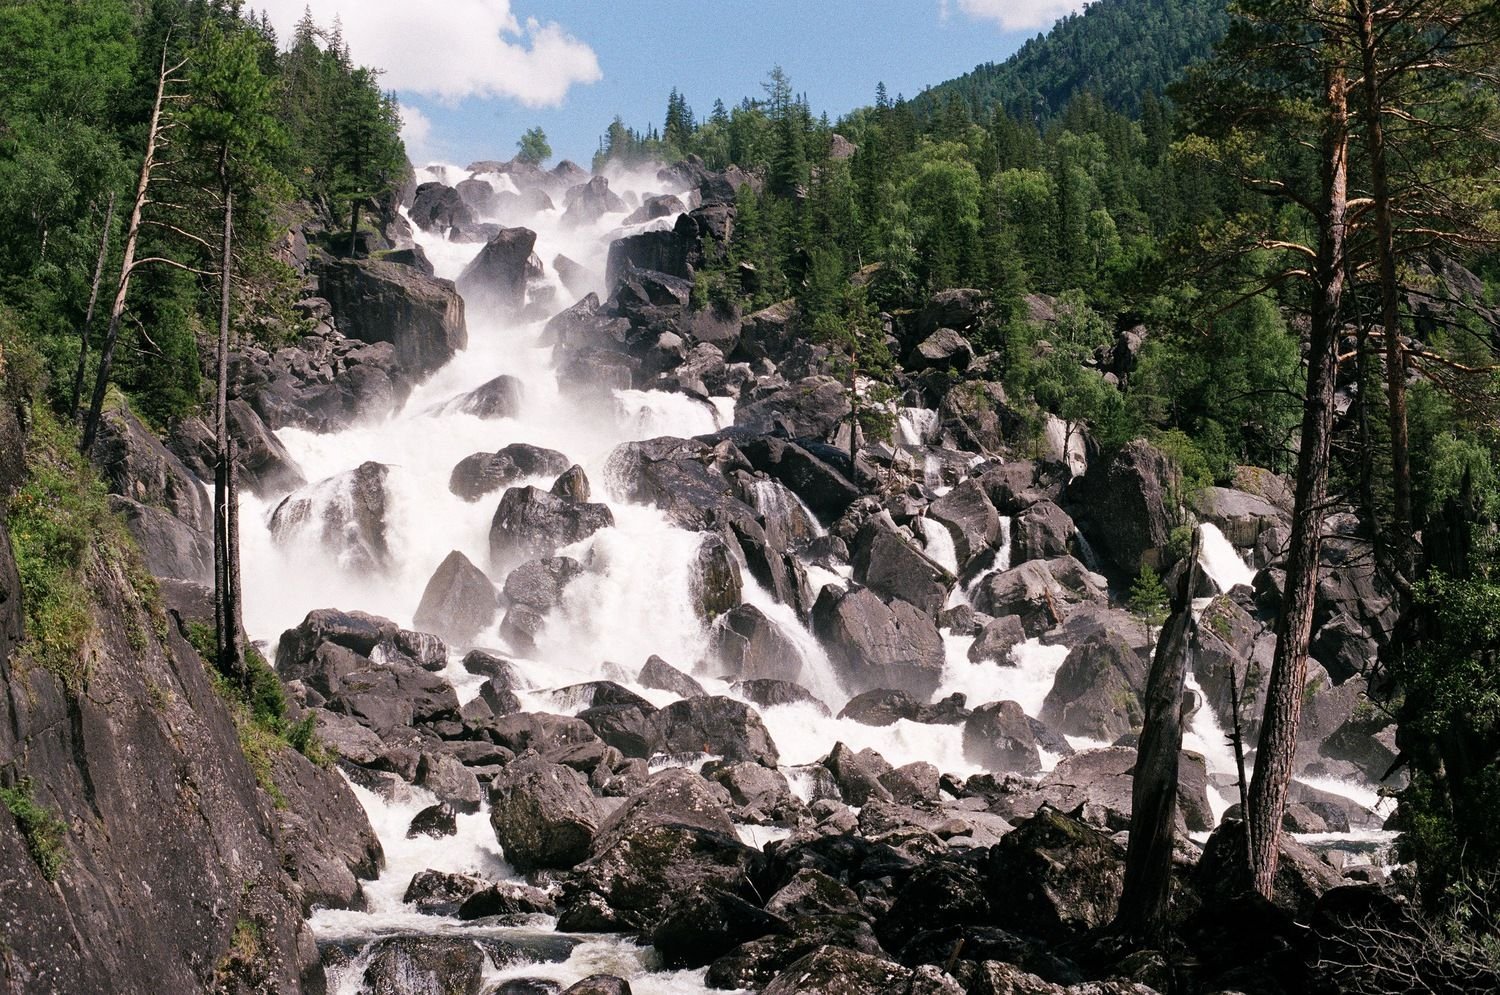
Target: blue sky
<point>473,74</point>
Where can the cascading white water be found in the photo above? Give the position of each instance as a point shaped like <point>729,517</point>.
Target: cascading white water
<point>1221,561</point>
<point>631,602</point>
<point>938,542</point>
<point>916,426</point>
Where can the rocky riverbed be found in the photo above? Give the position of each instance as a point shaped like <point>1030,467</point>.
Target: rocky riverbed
<point>643,683</point>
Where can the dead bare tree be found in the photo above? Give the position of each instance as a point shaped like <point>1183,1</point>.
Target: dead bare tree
<point>160,124</point>
<point>1153,814</point>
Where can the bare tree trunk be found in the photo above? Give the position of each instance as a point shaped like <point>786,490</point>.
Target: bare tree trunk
<point>1153,793</point>
<point>1278,733</point>
<point>127,262</point>
<point>1390,299</point>
<point>88,317</point>
<point>231,661</point>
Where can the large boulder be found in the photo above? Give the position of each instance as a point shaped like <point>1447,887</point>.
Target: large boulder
<point>437,207</point>
<point>997,640</point>
<point>944,349</point>
<point>999,738</point>
<point>707,924</point>
<point>1060,877</point>
<point>530,522</point>
<point>539,584</point>
<point>1127,506</point>
<point>1096,693</point>
<point>497,398</point>
<point>1042,593</point>
<point>895,569</point>
<point>832,970</point>
<point>496,279</point>
<point>683,477</point>
<point>665,840</point>
<point>1242,516</point>
<point>424,965</point>
<point>483,473</point>
<point>587,202</point>
<point>872,644</point>
<point>722,726</point>
<point>543,814</point>
<point>825,488</point>
<point>969,516</point>
<point>656,251</point>
<point>753,647</point>
<point>810,408</point>
<point>1099,783</point>
<point>375,301</point>
<point>1301,878</point>
<point>346,514</point>
<point>1041,532</point>
<point>459,601</point>
<point>660,675</point>
<point>716,585</point>
<point>265,467</point>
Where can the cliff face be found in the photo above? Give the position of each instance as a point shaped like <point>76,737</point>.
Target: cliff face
<point>169,873</point>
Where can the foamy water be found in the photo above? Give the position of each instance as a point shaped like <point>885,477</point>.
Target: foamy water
<point>632,600</point>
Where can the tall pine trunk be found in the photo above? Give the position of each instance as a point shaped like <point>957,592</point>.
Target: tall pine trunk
<point>1278,735</point>
<point>127,262</point>
<point>88,317</point>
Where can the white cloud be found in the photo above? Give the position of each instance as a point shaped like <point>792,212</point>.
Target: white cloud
<point>1016,15</point>
<point>416,132</point>
<point>452,49</point>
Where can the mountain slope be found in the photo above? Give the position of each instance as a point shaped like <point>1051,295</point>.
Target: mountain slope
<point>1119,49</point>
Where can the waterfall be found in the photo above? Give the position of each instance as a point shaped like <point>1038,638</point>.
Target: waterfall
<point>1221,561</point>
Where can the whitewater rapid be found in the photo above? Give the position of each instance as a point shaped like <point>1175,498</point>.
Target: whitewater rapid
<point>632,601</point>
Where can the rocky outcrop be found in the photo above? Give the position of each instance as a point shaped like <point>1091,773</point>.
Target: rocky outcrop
<point>483,473</point>
<point>166,902</point>
<point>531,522</point>
<point>495,281</point>
<point>375,301</point>
<point>344,514</point>
<point>265,467</point>
<point>459,601</point>
<point>544,814</point>
<point>1128,507</point>
<point>1042,593</point>
<point>587,202</point>
<point>873,644</point>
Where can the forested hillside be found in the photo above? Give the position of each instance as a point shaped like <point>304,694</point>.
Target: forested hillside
<point>1120,50</point>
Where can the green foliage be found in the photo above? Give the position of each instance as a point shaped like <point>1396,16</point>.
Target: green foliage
<point>260,711</point>
<point>42,830</point>
<point>1450,713</point>
<point>59,523</point>
<point>534,147</point>
<point>1148,597</point>
<point>1189,458</point>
